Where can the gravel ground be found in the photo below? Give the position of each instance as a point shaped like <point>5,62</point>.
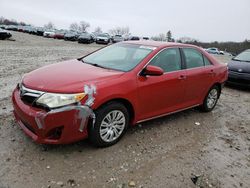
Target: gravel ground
<point>212,148</point>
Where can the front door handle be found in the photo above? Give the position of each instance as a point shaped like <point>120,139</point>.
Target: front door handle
<point>182,77</point>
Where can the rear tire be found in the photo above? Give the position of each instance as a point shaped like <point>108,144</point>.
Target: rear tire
<point>110,125</point>
<point>211,99</point>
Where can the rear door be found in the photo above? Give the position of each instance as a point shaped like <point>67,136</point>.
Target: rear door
<point>158,95</point>
<point>200,75</point>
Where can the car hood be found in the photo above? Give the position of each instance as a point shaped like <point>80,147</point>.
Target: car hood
<point>239,66</point>
<point>67,77</point>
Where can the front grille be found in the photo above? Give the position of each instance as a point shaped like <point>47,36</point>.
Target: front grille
<point>29,96</point>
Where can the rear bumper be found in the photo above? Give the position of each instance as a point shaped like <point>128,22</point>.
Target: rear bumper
<point>242,79</point>
<point>61,126</point>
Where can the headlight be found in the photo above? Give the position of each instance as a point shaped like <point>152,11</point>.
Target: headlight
<point>53,100</point>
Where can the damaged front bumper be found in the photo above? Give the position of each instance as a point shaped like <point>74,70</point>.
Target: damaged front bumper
<point>58,126</point>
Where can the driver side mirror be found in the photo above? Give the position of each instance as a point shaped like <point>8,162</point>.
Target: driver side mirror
<point>152,71</point>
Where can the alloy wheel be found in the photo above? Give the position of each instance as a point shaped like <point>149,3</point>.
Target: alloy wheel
<point>112,126</point>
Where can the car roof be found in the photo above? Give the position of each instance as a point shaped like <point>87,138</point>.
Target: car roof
<point>158,44</point>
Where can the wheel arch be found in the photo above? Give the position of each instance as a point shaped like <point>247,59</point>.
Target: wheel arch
<point>219,85</point>
<point>126,103</point>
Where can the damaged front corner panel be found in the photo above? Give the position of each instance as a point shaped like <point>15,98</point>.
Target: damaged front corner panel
<point>84,111</point>
<point>90,91</point>
<point>40,119</point>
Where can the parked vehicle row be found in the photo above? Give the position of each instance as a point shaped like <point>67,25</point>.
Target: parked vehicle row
<point>102,38</point>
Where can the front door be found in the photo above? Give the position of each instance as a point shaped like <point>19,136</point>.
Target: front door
<point>158,95</point>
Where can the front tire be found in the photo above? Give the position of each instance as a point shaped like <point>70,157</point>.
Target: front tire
<point>110,125</point>
<point>211,99</point>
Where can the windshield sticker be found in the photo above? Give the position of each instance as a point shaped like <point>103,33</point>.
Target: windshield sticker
<point>148,47</point>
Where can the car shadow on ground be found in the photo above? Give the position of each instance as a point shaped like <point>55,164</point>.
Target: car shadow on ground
<point>238,87</point>
<point>159,123</point>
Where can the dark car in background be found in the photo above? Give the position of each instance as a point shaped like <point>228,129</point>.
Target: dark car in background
<point>117,38</point>
<point>71,36</point>
<point>239,69</point>
<point>103,38</point>
<point>134,38</point>
<point>86,38</point>
<point>4,34</point>
<point>40,31</point>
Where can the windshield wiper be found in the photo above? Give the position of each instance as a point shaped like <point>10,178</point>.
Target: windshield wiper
<point>94,64</point>
<point>97,65</point>
<point>236,60</point>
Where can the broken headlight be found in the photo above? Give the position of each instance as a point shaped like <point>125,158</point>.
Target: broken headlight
<point>54,100</point>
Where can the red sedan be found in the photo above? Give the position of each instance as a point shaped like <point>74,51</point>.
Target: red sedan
<point>99,95</point>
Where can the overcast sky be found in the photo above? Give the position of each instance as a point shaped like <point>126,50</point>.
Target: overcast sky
<point>212,20</point>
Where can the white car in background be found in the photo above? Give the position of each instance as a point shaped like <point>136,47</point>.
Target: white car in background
<point>49,34</point>
<point>103,38</point>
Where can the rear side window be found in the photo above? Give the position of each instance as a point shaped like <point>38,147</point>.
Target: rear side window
<point>193,58</point>
<point>169,60</point>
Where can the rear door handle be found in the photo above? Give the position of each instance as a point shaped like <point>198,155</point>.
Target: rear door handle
<point>182,77</point>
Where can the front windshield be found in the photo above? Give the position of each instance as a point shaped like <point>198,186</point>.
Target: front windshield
<point>244,56</point>
<point>102,35</point>
<point>85,35</point>
<point>123,57</point>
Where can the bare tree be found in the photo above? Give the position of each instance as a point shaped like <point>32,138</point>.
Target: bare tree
<point>49,25</point>
<point>74,27</point>
<point>2,19</point>
<point>119,31</point>
<point>98,30</point>
<point>186,40</point>
<point>160,37</point>
<point>84,26</point>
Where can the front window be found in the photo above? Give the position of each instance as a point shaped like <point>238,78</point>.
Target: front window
<point>244,56</point>
<point>169,60</point>
<point>123,57</point>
